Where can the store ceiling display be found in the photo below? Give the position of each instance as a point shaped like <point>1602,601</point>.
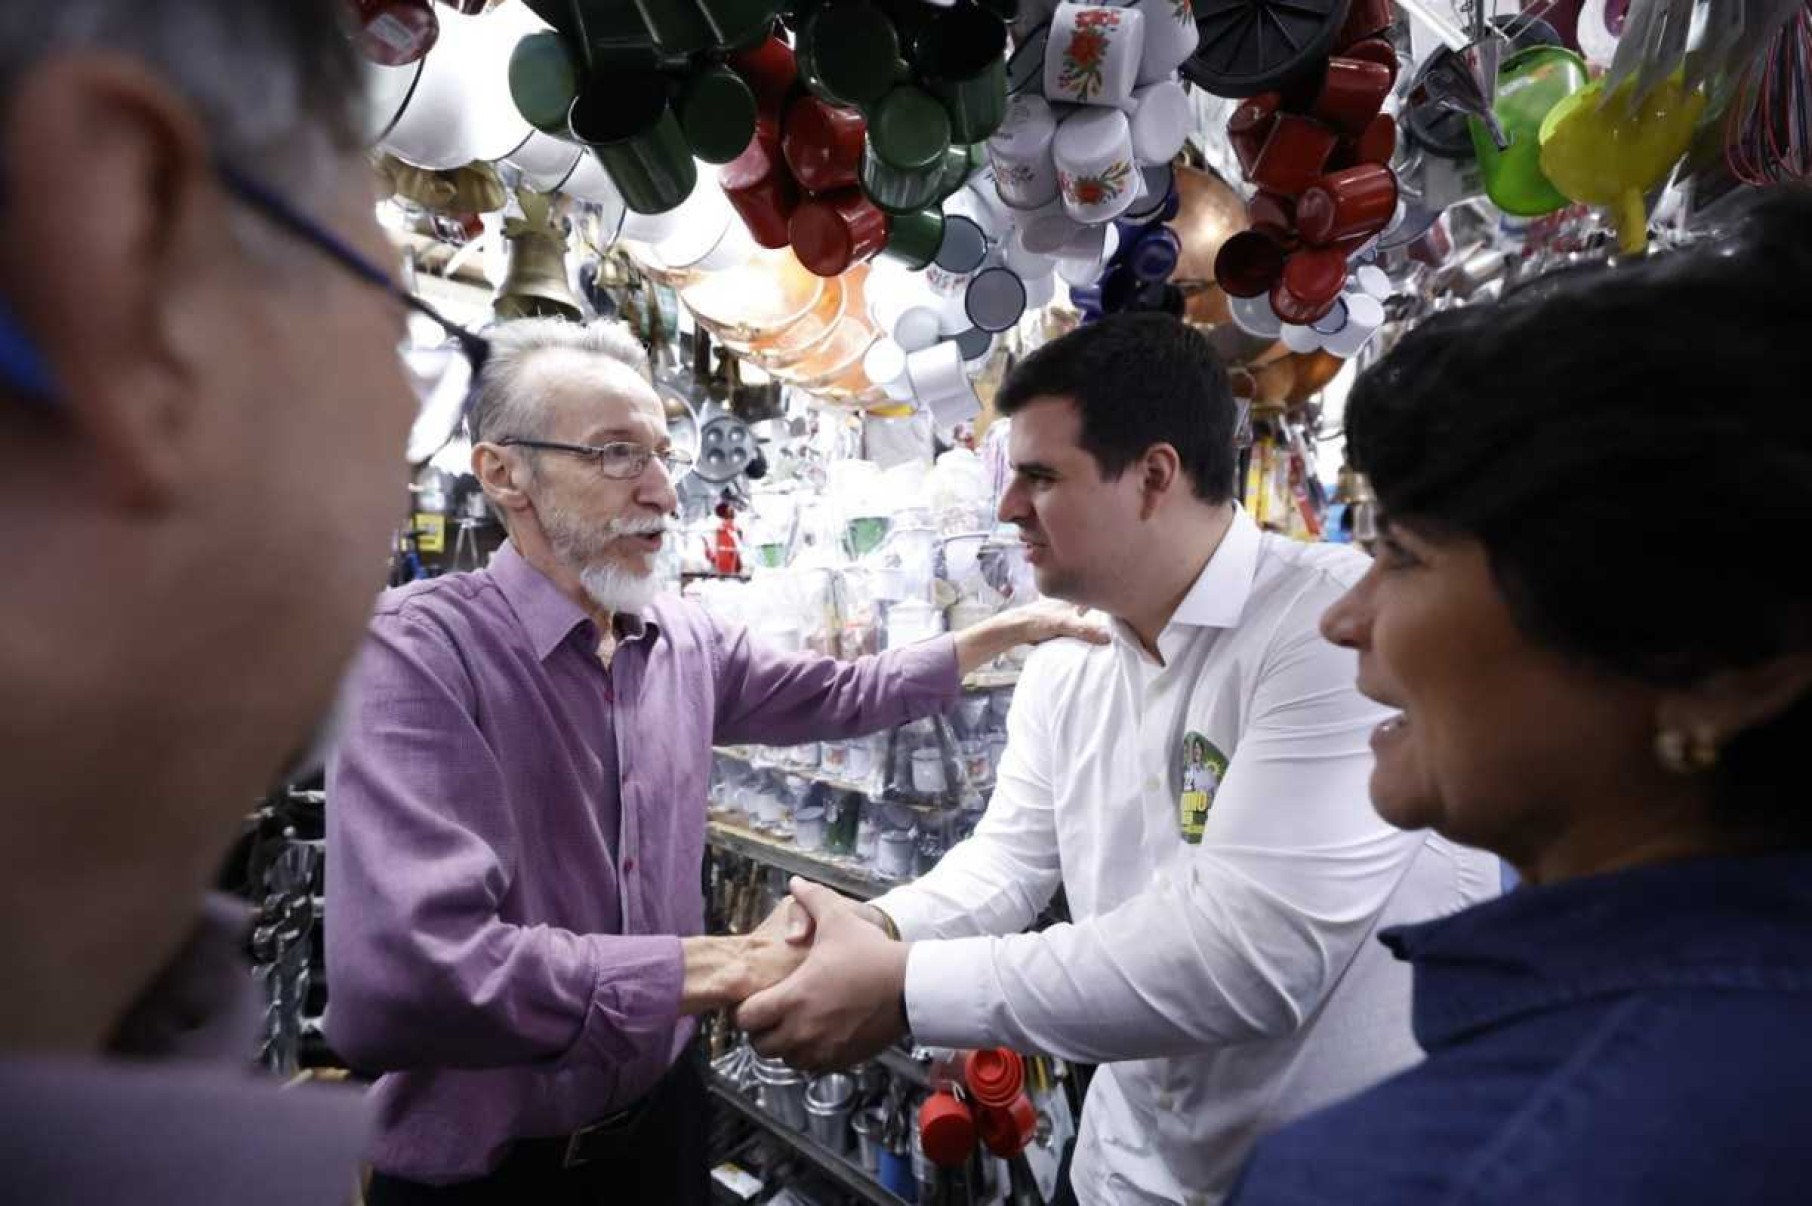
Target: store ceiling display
<point>863,197</point>
<point>727,448</point>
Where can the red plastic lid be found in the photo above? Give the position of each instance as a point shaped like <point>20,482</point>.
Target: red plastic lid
<point>994,1076</point>
<point>946,1130</point>
<point>1008,1131</point>
<point>833,231</point>
<point>1311,284</point>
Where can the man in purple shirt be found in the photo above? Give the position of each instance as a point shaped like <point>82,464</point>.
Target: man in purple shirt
<point>202,418</point>
<point>516,820</point>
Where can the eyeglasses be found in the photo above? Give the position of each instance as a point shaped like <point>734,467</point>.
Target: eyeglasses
<point>622,461</point>
<point>444,378</point>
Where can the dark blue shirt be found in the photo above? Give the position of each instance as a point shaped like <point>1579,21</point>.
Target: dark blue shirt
<point>1640,1037</point>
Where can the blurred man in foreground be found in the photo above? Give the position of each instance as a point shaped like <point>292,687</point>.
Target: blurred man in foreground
<point>188,381</point>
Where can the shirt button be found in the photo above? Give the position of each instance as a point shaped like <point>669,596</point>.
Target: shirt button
<point>628,865</point>
<point>1151,783</point>
<point>1166,1101</point>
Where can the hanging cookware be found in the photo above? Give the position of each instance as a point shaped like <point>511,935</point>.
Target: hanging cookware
<point>1253,46</point>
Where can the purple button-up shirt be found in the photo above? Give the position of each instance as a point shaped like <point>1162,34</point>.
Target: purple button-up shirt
<point>515,835</point>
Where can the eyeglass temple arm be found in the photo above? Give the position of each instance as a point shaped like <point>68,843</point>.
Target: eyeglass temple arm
<point>280,211</point>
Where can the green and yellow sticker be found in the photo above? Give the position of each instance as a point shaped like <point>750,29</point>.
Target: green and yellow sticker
<point>1203,768</point>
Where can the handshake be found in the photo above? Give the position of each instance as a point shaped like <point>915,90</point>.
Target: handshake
<point>819,983</point>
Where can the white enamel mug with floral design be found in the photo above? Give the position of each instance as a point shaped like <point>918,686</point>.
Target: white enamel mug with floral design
<point>1093,55</point>
<point>1096,172</point>
<point>1025,175</point>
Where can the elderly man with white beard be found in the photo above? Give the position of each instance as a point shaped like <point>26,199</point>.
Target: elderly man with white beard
<point>517,814</point>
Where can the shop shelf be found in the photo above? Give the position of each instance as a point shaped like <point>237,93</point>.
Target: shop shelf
<point>850,1176</point>
<point>904,1067</point>
<point>845,875</point>
<point>923,804</point>
<point>991,680</point>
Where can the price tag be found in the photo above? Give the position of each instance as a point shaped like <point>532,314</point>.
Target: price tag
<point>430,532</point>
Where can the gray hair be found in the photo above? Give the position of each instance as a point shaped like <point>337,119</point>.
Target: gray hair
<point>276,82</point>
<point>503,404</point>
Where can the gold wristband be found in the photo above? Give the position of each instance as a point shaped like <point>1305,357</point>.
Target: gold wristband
<point>887,924</point>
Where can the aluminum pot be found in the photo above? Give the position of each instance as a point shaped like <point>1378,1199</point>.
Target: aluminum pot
<point>828,1102</point>
<point>868,1126</point>
<point>782,1091</point>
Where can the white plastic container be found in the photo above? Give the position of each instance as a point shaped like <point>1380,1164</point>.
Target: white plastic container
<point>928,771</point>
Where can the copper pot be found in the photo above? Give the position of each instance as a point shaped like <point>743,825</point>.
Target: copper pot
<point>1211,212</point>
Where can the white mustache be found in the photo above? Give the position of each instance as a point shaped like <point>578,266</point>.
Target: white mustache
<point>656,526</point>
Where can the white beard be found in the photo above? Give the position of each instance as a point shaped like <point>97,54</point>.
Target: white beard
<point>618,590</point>
<point>612,586</point>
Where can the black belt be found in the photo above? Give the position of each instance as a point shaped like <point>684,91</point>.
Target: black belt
<point>601,1140</point>
<point>609,1137</point>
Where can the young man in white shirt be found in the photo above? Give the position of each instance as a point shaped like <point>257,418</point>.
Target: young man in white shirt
<point>1197,787</point>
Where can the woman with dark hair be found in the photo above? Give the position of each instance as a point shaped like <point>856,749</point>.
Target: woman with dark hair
<point>1589,607</point>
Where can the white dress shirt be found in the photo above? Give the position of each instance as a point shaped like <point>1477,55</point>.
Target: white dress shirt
<point>1226,985</point>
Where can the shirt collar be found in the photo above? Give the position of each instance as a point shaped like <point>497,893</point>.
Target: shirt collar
<point>1726,922</point>
<point>547,615</point>
<point>1218,598</point>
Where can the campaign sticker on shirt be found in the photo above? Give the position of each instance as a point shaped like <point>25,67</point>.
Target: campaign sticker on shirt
<point>1203,767</point>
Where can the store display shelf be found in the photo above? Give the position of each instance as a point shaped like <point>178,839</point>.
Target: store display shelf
<point>751,755</point>
<point>747,753</point>
<point>991,680</point>
<point>904,1067</point>
<point>851,1177</point>
<point>845,875</point>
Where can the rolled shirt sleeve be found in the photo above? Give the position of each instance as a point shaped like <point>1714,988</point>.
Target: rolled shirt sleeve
<point>425,971</point>
<point>1246,944</point>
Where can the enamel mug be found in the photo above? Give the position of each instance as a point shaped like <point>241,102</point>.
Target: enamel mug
<point>1093,55</point>
<point>1095,165</point>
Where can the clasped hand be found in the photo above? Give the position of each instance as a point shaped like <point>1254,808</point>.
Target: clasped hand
<point>834,987</point>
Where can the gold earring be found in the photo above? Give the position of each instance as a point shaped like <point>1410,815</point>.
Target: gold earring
<point>1681,753</point>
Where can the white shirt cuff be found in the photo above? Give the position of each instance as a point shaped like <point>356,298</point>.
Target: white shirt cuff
<point>911,916</point>
<point>949,991</point>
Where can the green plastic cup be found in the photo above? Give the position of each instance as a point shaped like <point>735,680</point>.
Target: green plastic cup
<point>909,129</point>
<point>913,239</point>
<point>855,52</point>
<point>717,113</point>
<point>625,118</point>
<point>962,56</point>
<point>899,191</point>
<point>544,79</point>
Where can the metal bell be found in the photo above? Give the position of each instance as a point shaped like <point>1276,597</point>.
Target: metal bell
<point>535,285</point>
